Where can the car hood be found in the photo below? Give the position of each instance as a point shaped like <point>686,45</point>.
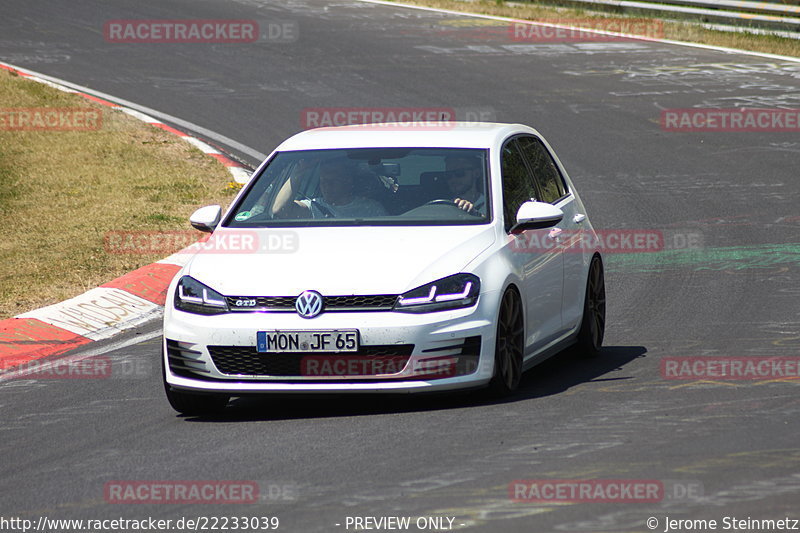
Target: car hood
<point>338,260</point>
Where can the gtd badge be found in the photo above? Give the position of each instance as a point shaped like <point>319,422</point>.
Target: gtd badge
<point>308,304</point>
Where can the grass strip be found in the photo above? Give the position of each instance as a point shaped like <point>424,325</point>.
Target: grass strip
<point>65,189</point>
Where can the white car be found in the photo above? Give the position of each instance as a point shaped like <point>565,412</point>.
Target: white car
<point>369,259</point>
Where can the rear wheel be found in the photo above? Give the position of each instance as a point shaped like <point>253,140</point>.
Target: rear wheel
<point>189,403</point>
<point>509,346</point>
<point>593,324</point>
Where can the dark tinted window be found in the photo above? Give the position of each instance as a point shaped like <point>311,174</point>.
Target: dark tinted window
<point>545,171</point>
<point>517,185</point>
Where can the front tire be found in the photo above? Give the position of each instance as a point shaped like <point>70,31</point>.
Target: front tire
<point>593,323</point>
<point>189,403</point>
<point>509,347</point>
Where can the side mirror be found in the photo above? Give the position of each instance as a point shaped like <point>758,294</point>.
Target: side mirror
<point>536,215</point>
<point>206,218</point>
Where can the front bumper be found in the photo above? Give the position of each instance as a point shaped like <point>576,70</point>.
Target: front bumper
<point>421,352</point>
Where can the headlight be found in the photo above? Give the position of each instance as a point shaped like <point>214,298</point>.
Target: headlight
<point>194,297</point>
<point>452,292</point>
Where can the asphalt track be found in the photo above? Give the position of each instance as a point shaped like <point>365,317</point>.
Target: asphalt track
<point>732,445</point>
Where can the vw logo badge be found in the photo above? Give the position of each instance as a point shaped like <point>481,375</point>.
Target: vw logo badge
<point>308,304</point>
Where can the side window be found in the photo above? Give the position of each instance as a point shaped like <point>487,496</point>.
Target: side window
<point>517,185</point>
<point>544,169</point>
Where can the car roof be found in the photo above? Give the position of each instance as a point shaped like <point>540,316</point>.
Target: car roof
<point>383,135</point>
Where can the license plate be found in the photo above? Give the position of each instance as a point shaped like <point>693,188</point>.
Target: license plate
<point>283,341</point>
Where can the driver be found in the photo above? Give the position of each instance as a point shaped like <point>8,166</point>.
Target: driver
<point>338,196</point>
<point>463,174</point>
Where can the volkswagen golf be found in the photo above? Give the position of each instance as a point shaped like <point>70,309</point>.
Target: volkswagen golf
<point>383,259</point>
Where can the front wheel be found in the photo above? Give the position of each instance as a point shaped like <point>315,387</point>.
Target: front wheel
<point>509,347</point>
<point>593,324</point>
<point>189,403</point>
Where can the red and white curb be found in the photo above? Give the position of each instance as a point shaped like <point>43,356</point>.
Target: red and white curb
<point>116,306</point>
<point>239,173</point>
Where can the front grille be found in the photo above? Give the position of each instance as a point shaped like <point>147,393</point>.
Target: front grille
<point>375,301</point>
<point>245,360</point>
<point>371,302</point>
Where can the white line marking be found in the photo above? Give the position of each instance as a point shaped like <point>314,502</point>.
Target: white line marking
<point>241,175</point>
<point>118,345</point>
<point>140,116</point>
<point>205,148</point>
<point>51,84</point>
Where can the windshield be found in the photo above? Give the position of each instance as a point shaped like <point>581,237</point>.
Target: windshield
<point>367,186</point>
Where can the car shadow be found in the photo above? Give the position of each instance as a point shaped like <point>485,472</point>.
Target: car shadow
<point>570,368</point>
<point>556,375</point>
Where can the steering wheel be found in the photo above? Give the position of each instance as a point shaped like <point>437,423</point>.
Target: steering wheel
<point>441,201</point>
<point>327,213</point>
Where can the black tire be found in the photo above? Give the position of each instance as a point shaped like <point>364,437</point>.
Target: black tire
<point>509,346</point>
<point>189,403</point>
<point>593,323</point>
